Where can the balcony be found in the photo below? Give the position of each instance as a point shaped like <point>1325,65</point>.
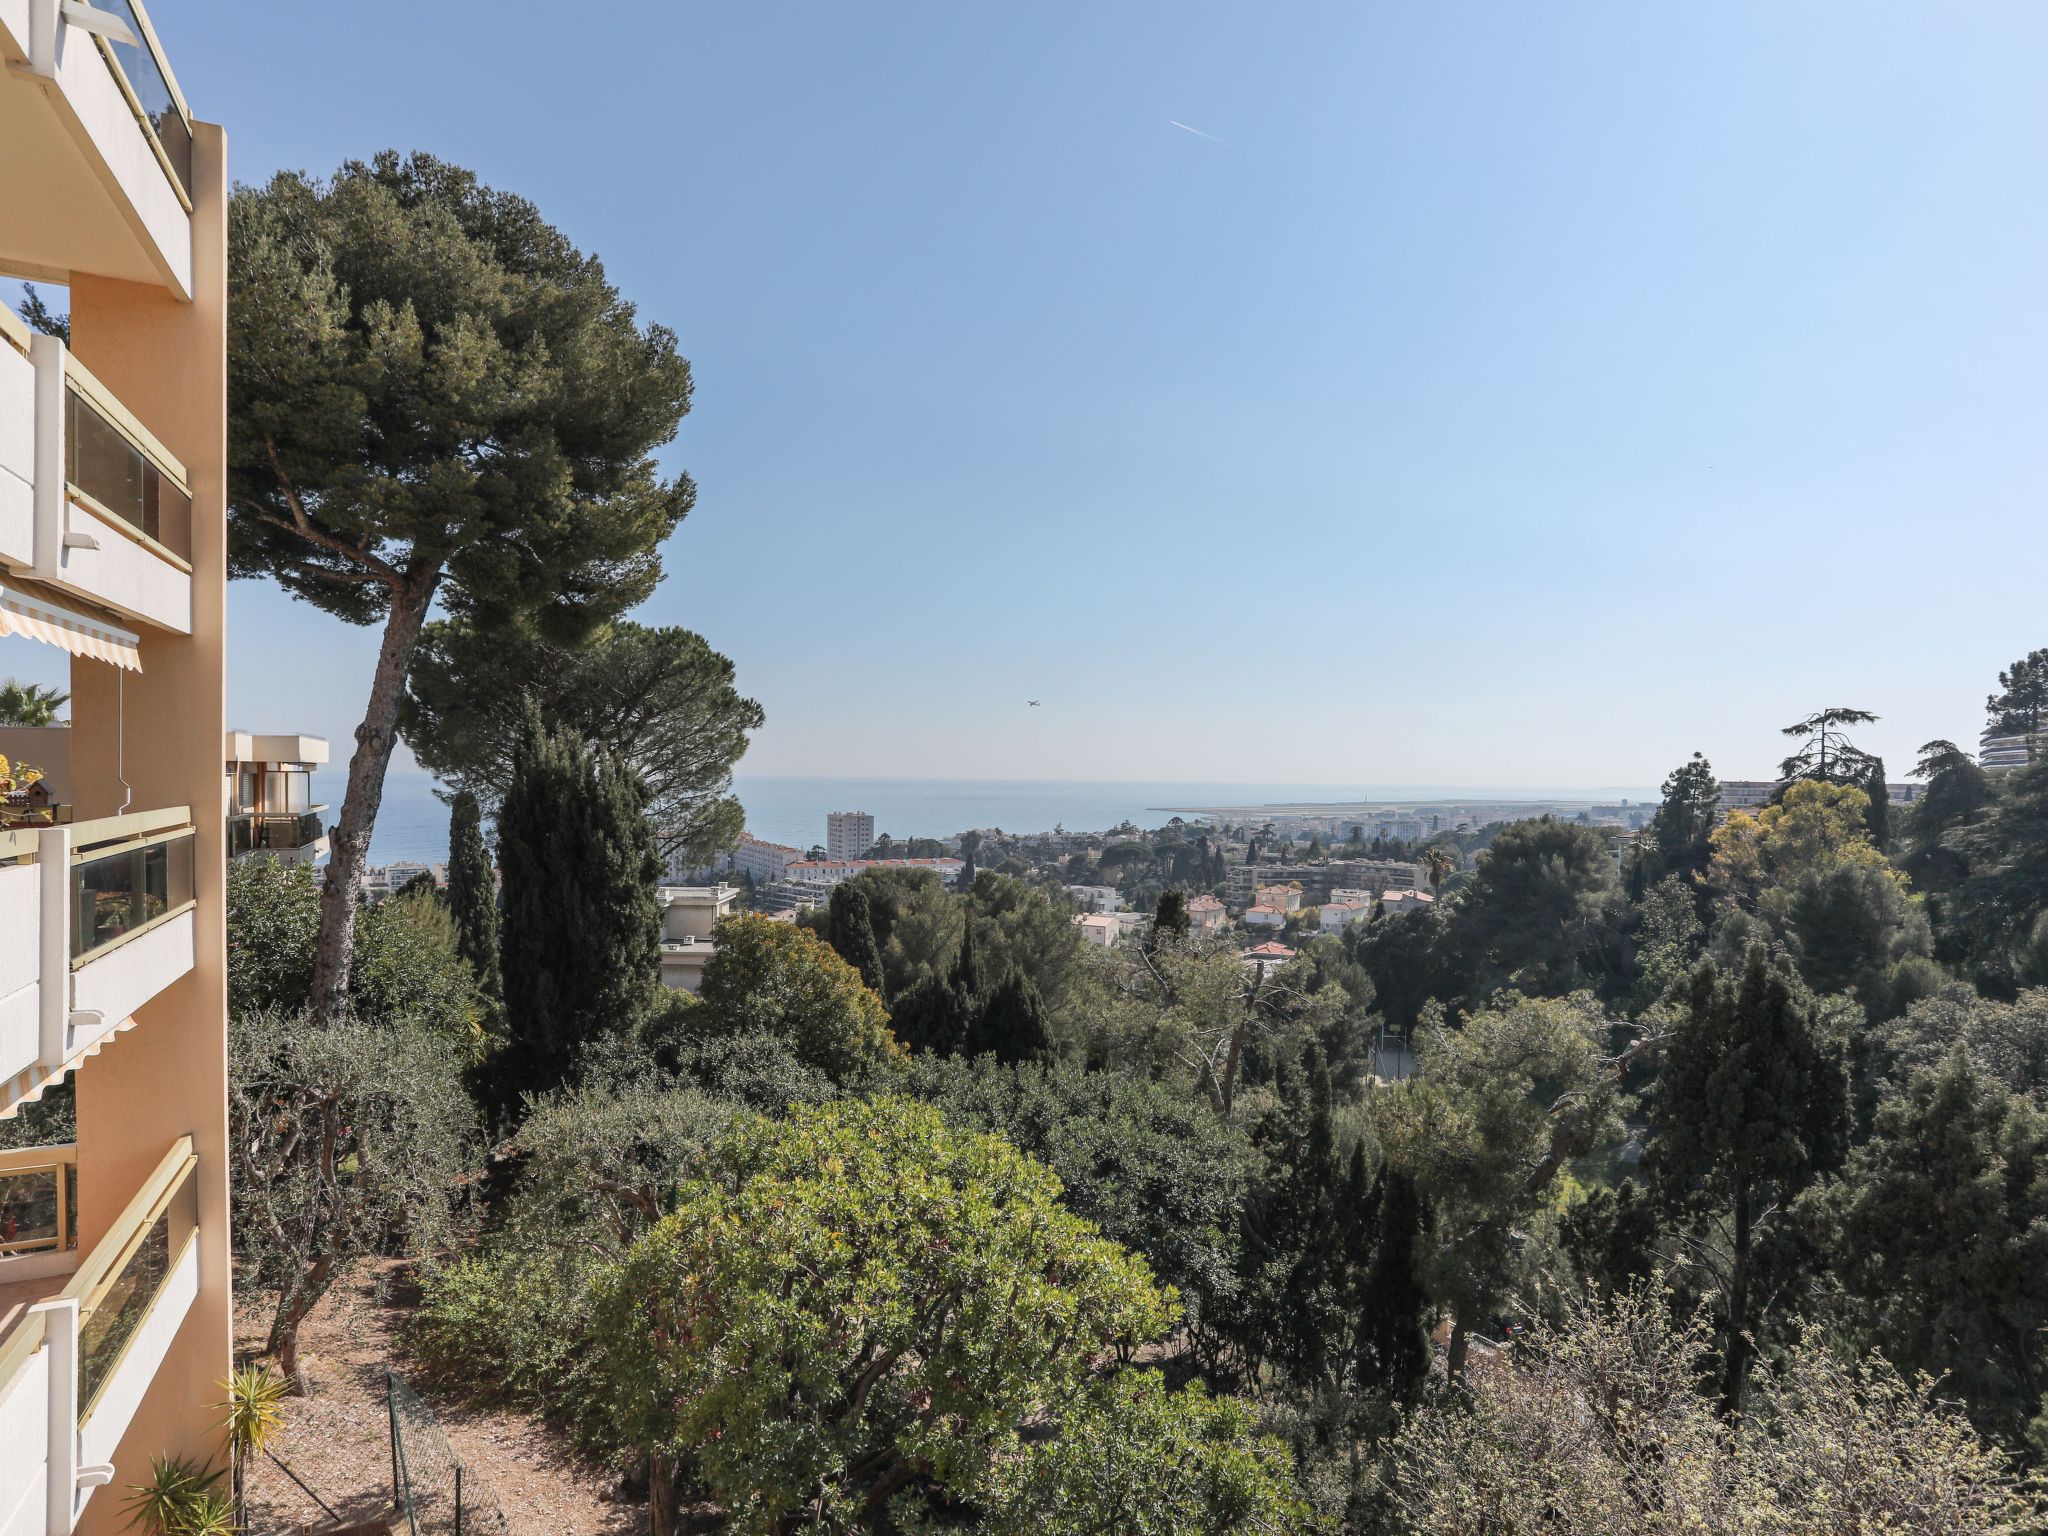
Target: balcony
<point>296,837</point>
<point>96,918</point>
<point>98,174</point>
<point>91,504</point>
<point>80,1342</point>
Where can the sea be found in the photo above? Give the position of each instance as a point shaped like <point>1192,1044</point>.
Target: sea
<point>413,823</point>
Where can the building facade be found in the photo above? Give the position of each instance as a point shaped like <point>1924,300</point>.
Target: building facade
<point>689,920</point>
<point>848,834</point>
<point>271,813</point>
<point>115,1269</point>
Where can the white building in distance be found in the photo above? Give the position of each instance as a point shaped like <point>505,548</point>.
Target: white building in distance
<point>848,834</point>
<point>1096,898</point>
<point>689,914</point>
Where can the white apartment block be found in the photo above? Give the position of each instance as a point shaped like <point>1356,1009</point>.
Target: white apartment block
<point>1097,898</point>
<point>765,862</point>
<point>829,872</point>
<point>689,919</point>
<point>848,834</point>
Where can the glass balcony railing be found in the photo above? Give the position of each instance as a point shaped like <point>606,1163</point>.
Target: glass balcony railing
<point>268,832</point>
<point>106,465</point>
<point>157,102</point>
<point>118,1284</point>
<point>118,891</point>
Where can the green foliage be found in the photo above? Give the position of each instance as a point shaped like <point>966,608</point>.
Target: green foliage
<point>1170,917</point>
<point>408,966</point>
<point>1610,1238</point>
<point>660,700</point>
<point>1489,1120</point>
<point>1957,793</point>
<point>850,929</point>
<point>1750,1107</point>
<point>343,1134</point>
<point>580,942</point>
<point>29,704</point>
<point>1597,1429</point>
<point>1010,1024</point>
<point>858,1309</point>
<point>511,1320</point>
<point>436,379</point>
<point>1669,939</point>
<point>2021,704</point>
<point>1825,754</point>
<point>273,915</point>
<point>775,979</point>
<point>1939,1230</point>
<point>1684,822</point>
<point>1147,1163</point>
<point>1996,906</point>
<point>37,315</point>
<point>1534,913</point>
<point>1019,927</point>
<point>1139,1460</point>
<point>473,892</point>
<point>180,1499</point>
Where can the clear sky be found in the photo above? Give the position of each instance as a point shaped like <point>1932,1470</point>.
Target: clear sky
<point>1489,393</point>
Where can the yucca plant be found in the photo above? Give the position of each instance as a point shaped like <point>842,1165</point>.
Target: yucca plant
<point>178,1500</point>
<point>255,1413</point>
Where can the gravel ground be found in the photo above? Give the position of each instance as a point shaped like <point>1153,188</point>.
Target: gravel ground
<point>338,1440</point>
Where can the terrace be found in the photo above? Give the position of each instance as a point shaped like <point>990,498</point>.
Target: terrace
<point>80,1341</point>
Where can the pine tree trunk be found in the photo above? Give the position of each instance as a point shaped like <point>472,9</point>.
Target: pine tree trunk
<point>1454,1363</point>
<point>350,849</point>
<point>1735,1369</point>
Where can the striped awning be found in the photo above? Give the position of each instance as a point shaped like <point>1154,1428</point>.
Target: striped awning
<point>33,615</point>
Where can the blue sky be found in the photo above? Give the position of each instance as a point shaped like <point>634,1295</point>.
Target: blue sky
<point>1515,394</point>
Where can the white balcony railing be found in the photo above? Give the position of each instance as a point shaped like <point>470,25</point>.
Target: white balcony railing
<point>111,97</point>
<point>96,918</point>
<point>85,1342</point>
<point>90,501</point>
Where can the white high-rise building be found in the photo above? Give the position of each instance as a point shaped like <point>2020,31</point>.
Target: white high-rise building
<point>848,834</point>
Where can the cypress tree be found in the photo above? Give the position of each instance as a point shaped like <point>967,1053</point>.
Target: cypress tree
<point>1012,1023</point>
<point>1393,1350</point>
<point>473,891</point>
<point>1170,920</point>
<point>1751,1106</point>
<point>1879,815</point>
<point>580,941</point>
<point>850,929</point>
<point>930,1018</point>
<point>966,979</point>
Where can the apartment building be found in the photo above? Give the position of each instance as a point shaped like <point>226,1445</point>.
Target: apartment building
<point>1206,915</point>
<point>689,917</point>
<point>765,862</point>
<point>827,873</point>
<point>848,834</point>
<point>114,1267</point>
<point>271,813</point>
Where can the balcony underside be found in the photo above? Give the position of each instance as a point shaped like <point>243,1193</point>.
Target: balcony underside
<point>80,183</point>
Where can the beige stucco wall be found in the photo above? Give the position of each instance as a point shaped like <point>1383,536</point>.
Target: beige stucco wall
<point>167,360</point>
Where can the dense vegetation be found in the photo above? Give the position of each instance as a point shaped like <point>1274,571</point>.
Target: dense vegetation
<point>1716,1198</point>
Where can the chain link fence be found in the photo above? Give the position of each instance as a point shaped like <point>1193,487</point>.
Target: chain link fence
<point>428,1488</point>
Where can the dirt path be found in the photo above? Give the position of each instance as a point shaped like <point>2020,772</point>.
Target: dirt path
<point>338,1439</point>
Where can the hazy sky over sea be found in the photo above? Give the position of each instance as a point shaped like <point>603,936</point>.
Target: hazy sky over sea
<point>1503,393</point>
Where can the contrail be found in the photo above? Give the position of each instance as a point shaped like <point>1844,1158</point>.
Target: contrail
<point>1184,128</point>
